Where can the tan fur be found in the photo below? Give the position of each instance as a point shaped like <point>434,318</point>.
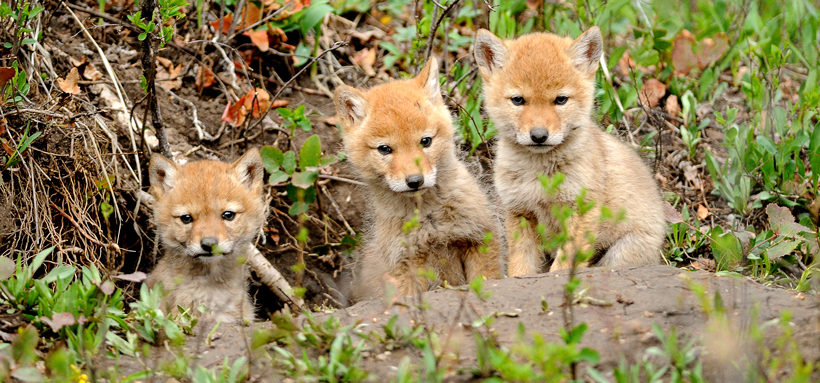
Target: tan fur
<point>540,68</point>
<point>454,214</point>
<point>190,275</point>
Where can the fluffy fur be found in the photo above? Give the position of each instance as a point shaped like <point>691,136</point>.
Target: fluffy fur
<point>453,213</point>
<point>207,214</point>
<point>540,87</point>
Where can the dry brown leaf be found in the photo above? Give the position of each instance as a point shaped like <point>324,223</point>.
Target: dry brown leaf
<point>703,212</point>
<point>704,264</point>
<point>137,277</point>
<point>625,65</point>
<point>256,102</point>
<point>652,92</point>
<point>226,23</point>
<point>260,39</point>
<point>252,14</point>
<point>164,62</point>
<point>672,215</point>
<point>365,59</point>
<point>59,320</point>
<point>690,173</point>
<point>365,36</point>
<point>683,57</point>
<point>79,62</point>
<point>672,106</point>
<point>710,50</point>
<point>172,76</point>
<point>204,78</point>
<point>91,73</point>
<point>235,113</point>
<point>534,4</point>
<point>69,85</point>
<point>6,74</point>
<point>273,233</point>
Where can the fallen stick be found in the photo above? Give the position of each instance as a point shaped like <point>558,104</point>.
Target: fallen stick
<point>274,280</point>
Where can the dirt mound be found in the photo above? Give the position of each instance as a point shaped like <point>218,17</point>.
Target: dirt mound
<point>619,305</point>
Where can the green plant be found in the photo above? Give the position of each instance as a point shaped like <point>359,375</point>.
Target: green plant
<point>169,12</point>
<point>282,166</point>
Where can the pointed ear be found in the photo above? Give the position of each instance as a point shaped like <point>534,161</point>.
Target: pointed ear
<point>351,105</point>
<point>249,169</point>
<point>490,52</point>
<point>429,81</point>
<point>163,173</point>
<point>585,52</point>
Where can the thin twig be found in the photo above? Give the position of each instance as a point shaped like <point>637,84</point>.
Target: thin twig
<point>149,70</point>
<point>342,179</point>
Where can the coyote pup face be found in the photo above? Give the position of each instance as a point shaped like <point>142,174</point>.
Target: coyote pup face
<point>207,210</point>
<point>537,102</point>
<point>397,132</point>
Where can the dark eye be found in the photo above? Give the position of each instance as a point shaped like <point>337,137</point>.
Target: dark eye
<point>517,100</point>
<point>561,100</point>
<point>426,141</point>
<point>186,218</point>
<point>228,215</point>
<point>384,150</point>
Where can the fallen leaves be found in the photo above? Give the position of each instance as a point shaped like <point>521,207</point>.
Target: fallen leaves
<point>688,53</point>
<point>254,102</point>
<point>652,93</point>
<point>135,277</point>
<point>6,74</point>
<point>260,39</point>
<point>703,212</point>
<point>204,78</point>
<point>59,320</point>
<point>365,59</point>
<point>168,74</point>
<point>70,84</point>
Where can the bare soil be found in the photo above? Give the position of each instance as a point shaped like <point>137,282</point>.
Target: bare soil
<point>621,306</point>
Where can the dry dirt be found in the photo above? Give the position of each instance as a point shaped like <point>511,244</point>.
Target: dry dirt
<point>627,301</point>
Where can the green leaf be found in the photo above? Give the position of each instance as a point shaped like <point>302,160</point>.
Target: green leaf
<point>329,160</point>
<point>588,355</point>
<point>28,374</point>
<point>814,154</point>
<point>726,248</point>
<point>289,162</point>
<point>766,143</point>
<point>311,153</point>
<point>39,259</point>
<point>272,158</point>
<point>106,209</point>
<point>313,16</point>
<point>59,273</point>
<point>7,268</point>
<point>278,176</point>
<point>298,208</point>
<point>304,179</point>
<point>785,247</point>
<point>782,221</point>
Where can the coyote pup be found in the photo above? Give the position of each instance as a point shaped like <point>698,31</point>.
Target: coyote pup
<point>538,91</point>
<point>399,138</point>
<point>207,214</point>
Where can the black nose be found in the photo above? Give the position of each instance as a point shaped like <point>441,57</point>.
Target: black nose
<point>415,181</point>
<point>539,135</point>
<point>208,243</point>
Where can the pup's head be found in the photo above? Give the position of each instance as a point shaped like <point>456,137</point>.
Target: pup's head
<point>539,87</point>
<point>397,133</point>
<point>208,209</point>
